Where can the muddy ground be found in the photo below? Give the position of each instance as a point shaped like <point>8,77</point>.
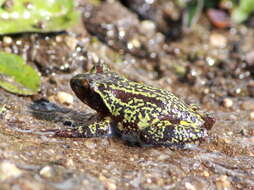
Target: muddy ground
<point>211,67</point>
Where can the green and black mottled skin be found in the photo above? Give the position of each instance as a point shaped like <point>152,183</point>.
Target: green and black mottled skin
<point>138,112</point>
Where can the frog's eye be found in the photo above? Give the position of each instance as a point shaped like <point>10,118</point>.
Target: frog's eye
<point>85,84</point>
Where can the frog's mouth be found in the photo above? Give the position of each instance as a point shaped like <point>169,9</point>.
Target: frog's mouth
<point>83,90</point>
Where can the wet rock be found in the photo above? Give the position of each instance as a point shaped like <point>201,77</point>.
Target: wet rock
<point>218,18</point>
<point>8,171</point>
<point>165,14</point>
<point>55,54</point>
<point>115,25</point>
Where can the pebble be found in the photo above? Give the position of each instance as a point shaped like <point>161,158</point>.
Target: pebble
<point>228,103</point>
<point>59,39</point>
<point>249,57</point>
<point>135,43</point>
<point>90,144</point>
<point>206,174</point>
<point>111,186</point>
<point>189,186</point>
<point>148,26</point>
<point>7,40</point>
<point>8,170</point>
<point>109,183</point>
<point>218,40</point>
<point>252,115</point>
<point>70,163</point>
<point>47,172</point>
<point>71,42</point>
<point>64,98</point>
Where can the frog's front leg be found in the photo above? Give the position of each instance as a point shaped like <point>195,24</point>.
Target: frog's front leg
<point>99,128</point>
<point>168,134</point>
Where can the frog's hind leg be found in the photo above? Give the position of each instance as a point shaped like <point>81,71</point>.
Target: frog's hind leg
<point>168,134</point>
<point>96,129</point>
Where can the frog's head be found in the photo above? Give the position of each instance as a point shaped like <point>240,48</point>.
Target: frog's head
<point>84,87</point>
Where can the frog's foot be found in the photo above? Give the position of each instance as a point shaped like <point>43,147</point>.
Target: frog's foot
<point>96,129</point>
<point>168,134</point>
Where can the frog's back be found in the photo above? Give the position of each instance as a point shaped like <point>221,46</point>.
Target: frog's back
<point>133,102</point>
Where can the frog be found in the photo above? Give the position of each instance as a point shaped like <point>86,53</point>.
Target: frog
<point>138,113</point>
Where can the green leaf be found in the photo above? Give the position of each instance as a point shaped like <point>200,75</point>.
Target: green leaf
<point>16,76</point>
<point>241,12</point>
<point>193,10</point>
<point>36,15</point>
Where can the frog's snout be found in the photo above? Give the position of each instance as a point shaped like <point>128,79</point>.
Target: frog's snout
<point>209,122</point>
<point>78,82</point>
